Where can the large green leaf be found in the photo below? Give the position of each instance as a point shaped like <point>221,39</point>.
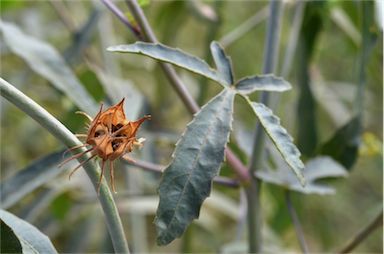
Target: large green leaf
<point>30,238</point>
<point>9,241</point>
<point>222,62</point>
<point>26,180</point>
<point>281,138</point>
<point>266,82</point>
<point>196,160</point>
<point>170,55</point>
<point>315,12</point>
<point>315,169</point>
<point>46,61</point>
<point>344,144</point>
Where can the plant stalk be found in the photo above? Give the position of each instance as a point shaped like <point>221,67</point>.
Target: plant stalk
<point>256,162</point>
<point>244,27</point>
<point>364,233</point>
<point>57,129</point>
<point>156,168</point>
<point>296,223</point>
<point>120,15</point>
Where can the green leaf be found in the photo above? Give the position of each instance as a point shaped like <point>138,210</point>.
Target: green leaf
<point>29,178</point>
<point>197,158</point>
<point>281,138</point>
<point>46,61</point>
<point>315,169</point>
<point>344,145</point>
<point>315,13</point>
<point>266,82</point>
<point>30,238</point>
<point>223,63</point>
<point>144,3</point>
<point>170,55</point>
<point>9,241</point>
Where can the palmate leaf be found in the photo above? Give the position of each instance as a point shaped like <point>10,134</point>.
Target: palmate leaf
<point>280,138</point>
<point>170,55</point>
<point>222,62</point>
<point>267,82</point>
<point>47,62</point>
<point>29,237</point>
<point>186,182</point>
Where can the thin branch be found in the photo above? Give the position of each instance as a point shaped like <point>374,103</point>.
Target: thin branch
<point>296,222</point>
<point>293,38</point>
<point>62,11</point>
<point>256,161</point>
<point>291,47</point>
<point>58,130</point>
<point>244,28</point>
<point>363,234</point>
<point>156,168</point>
<point>113,8</point>
<point>180,88</point>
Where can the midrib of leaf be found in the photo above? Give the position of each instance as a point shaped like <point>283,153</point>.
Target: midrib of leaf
<point>191,170</point>
<point>27,243</point>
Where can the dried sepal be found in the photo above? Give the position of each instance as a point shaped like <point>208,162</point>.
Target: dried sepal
<point>110,135</point>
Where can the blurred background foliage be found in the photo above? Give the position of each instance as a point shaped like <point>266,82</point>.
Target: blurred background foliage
<point>325,71</point>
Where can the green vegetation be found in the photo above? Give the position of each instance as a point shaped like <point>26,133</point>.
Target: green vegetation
<point>266,131</point>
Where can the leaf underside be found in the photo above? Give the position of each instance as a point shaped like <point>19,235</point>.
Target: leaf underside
<point>170,55</point>
<point>223,63</point>
<point>30,238</point>
<point>186,182</point>
<point>281,138</point>
<point>268,82</point>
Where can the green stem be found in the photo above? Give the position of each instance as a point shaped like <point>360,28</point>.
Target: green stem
<point>244,27</point>
<point>296,222</point>
<point>256,162</point>
<point>57,129</point>
<point>363,234</point>
<point>366,16</point>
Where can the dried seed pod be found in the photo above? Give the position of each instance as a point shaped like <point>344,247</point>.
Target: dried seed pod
<point>110,135</point>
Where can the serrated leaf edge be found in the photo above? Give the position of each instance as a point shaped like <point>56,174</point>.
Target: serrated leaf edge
<point>298,171</point>
<point>229,62</point>
<point>214,73</point>
<point>181,137</point>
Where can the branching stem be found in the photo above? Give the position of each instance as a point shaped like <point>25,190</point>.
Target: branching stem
<point>58,130</point>
<point>119,14</point>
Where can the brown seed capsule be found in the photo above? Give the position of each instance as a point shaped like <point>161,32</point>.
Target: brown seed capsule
<point>110,136</point>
